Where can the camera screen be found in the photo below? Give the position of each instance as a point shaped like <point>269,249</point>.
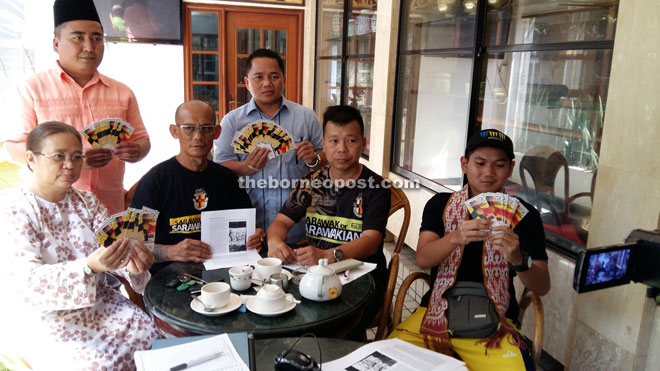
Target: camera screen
<point>607,266</point>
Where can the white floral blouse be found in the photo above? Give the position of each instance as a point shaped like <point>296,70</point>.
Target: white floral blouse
<point>59,317</point>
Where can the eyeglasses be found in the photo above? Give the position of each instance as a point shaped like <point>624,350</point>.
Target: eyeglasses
<point>60,158</point>
<point>260,77</point>
<point>189,130</point>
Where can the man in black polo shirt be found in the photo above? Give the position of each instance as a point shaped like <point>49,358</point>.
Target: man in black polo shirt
<point>345,206</point>
<point>187,184</point>
<point>459,248</point>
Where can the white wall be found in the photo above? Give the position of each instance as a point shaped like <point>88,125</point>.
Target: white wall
<point>155,74</point>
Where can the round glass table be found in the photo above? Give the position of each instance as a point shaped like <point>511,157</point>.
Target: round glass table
<point>173,314</point>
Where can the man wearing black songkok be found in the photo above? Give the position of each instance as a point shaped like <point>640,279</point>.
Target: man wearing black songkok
<point>74,92</point>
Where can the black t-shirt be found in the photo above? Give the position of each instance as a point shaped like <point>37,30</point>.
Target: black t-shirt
<point>180,195</point>
<point>529,230</point>
<point>334,216</point>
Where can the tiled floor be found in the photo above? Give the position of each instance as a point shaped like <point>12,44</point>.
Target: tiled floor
<point>407,265</point>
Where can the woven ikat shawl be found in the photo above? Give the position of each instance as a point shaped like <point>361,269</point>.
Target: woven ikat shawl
<point>496,280</point>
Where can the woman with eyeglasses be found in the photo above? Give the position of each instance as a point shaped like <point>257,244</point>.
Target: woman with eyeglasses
<point>62,315</point>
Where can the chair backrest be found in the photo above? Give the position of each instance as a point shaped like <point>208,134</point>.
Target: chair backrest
<point>527,298</point>
<point>129,195</point>
<point>399,200</point>
<point>384,318</point>
<point>543,163</point>
<point>134,296</point>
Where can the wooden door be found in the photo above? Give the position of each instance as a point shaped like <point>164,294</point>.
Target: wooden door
<point>219,38</point>
<point>247,32</point>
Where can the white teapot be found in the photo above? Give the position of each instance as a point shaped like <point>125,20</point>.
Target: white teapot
<point>320,283</point>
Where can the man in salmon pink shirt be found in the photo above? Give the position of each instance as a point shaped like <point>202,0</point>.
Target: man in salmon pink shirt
<point>75,92</point>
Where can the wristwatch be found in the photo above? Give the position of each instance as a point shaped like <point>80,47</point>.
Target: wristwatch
<point>525,265</point>
<point>87,270</point>
<point>318,160</point>
<point>338,254</point>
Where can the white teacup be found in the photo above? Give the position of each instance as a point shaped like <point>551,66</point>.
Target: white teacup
<point>215,294</point>
<point>240,277</point>
<point>271,298</point>
<point>266,267</point>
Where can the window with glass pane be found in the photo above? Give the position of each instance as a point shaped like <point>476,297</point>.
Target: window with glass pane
<point>551,103</point>
<point>433,98</point>
<point>543,80</point>
<point>249,40</point>
<point>328,78</point>
<point>205,67</point>
<point>432,114</point>
<point>205,57</point>
<point>550,21</point>
<point>344,61</point>
<point>552,106</point>
<point>204,31</point>
<point>207,93</point>
<point>275,40</point>
<point>329,61</point>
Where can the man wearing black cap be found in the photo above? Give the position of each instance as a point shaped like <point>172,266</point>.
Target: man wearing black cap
<point>75,93</point>
<point>460,249</point>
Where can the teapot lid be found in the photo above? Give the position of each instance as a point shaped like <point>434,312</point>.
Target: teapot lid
<point>322,269</point>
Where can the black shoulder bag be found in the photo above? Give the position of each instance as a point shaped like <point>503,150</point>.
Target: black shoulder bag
<point>470,313</point>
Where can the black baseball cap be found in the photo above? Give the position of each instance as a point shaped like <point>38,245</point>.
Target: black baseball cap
<point>490,138</point>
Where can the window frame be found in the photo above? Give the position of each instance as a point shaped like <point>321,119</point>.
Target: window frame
<point>343,58</point>
<point>560,244</point>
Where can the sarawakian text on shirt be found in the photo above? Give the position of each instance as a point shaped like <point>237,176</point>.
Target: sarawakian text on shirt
<point>333,229</point>
<point>186,224</point>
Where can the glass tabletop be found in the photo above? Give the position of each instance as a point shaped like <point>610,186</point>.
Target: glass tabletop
<point>332,318</point>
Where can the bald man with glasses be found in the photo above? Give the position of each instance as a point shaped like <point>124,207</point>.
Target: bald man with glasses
<point>187,184</point>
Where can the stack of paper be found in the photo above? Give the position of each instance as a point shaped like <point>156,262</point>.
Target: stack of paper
<point>394,354</point>
<point>217,353</point>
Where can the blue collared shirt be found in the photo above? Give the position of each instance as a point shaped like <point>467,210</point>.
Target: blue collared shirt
<point>302,124</point>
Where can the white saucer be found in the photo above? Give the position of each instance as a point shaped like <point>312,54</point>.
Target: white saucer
<point>234,303</point>
<point>252,308</point>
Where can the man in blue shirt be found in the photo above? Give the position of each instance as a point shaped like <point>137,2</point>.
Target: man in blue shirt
<point>268,182</point>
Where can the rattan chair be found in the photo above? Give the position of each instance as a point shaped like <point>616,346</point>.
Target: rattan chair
<point>132,294</point>
<point>129,195</point>
<point>526,299</point>
<point>398,201</point>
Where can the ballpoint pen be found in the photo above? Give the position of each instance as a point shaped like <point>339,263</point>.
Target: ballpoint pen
<point>196,362</point>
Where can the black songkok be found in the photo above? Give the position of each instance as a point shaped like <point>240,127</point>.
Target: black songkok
<point>74,10</point>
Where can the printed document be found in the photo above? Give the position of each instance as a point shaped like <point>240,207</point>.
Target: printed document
<point>394,354</point>
<point>166,358</point>
<point>227,231</point>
